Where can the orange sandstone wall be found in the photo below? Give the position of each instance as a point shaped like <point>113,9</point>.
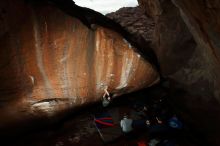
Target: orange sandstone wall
<point>50,62</point>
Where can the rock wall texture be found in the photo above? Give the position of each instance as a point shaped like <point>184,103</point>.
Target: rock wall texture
<point>51,62</point>
<point>185,38</point>
<point>134,20</point>
<point>186,41</point>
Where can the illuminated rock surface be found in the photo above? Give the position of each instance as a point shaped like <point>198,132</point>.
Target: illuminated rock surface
<point>50,62</point>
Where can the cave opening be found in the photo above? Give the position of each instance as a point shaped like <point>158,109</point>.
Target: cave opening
<point>159,61</point>
<point>107,6</point>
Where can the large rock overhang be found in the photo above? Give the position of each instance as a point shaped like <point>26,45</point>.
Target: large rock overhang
<point>51,62</point>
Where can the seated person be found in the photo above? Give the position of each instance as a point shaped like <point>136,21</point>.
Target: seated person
<point>126,124</point>
<point>175,123</point>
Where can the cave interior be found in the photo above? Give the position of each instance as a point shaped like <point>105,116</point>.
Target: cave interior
<point>57,59</point>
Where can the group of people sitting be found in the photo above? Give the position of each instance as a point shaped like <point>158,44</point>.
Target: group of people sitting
<point>157,125</point>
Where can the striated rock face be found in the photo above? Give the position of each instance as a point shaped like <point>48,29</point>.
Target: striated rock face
<point>186,41</point>
<point>50,62</point>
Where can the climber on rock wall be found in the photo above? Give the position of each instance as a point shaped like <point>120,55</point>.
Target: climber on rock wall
<point>106,98</point>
